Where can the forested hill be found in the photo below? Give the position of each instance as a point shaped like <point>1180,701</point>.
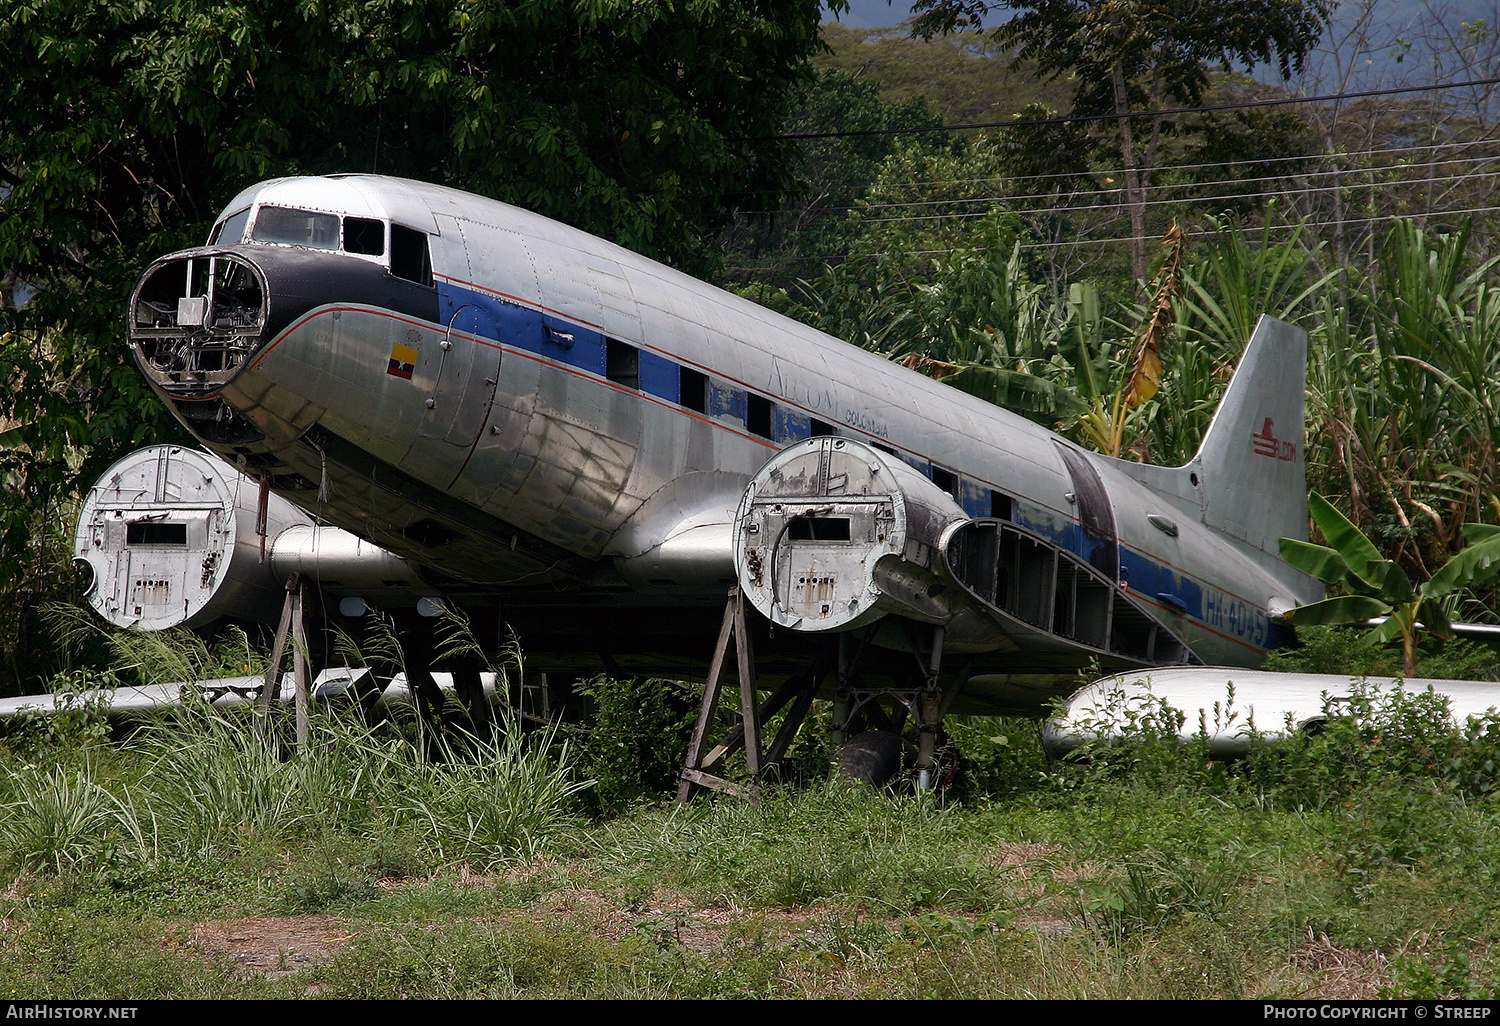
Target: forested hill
<point>964,78</point>
<point>1401,38</point>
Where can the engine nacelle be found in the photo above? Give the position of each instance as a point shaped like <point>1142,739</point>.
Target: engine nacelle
<point>833,534</point>
<point>170,536</point>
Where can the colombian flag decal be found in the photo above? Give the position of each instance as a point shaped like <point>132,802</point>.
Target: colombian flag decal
<point>403,361</point>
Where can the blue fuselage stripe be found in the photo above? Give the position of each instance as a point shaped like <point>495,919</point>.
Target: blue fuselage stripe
<point>583,348</point>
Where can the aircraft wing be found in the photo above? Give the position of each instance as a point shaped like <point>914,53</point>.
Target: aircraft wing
<point>1230,705</point>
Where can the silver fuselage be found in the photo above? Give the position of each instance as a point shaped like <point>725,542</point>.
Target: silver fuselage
<point>549,414</point>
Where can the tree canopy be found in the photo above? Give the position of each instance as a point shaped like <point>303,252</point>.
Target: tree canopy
<point>124,125</point>
<point>647,123</point>
<point>1161,50</point>
<point>1131,56</point>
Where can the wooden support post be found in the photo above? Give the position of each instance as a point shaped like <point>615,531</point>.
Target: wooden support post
<point>271,690</point>
<point>299,668</point>
<point>692,769</point>
<point>798,692</point>
<point>748,711</point>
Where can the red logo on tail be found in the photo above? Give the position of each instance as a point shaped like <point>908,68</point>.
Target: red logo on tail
<point>1267,444</point>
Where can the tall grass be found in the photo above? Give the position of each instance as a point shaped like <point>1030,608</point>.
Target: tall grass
<point>210,785</point>
<point>156,657</point>
<point>58,819</point>
<point>508,797</point>
<point>212,781</point>
<point>1149,871</point>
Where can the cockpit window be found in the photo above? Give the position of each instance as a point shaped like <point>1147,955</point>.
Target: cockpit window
<point>297,227</point>
<point>410,258</point>
<point>230,230</point>
<point>364,236</point>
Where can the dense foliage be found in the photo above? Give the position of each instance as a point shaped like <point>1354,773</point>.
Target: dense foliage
<point>126,125</point>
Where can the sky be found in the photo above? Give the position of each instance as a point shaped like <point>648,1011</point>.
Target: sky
<point>874,13</point>
<point>883,14</point>
<point>1387,58</point>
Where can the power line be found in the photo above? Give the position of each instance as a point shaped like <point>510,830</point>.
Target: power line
<point>1083,208</point>
<point>1120,240</point>
<point>1111,172</point>
<point>1163,186</point>
<point>1343,155</point>
<point>1275,227</point>
<point>1080,118</point>
<point>1314,225</point>
<point>1016,202</point>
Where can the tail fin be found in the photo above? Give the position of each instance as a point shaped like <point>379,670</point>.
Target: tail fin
<point>1251,471</point>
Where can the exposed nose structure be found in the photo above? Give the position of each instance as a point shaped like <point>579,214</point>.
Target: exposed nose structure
<point>196,317</point>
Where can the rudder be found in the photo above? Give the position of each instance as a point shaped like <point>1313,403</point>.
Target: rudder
<point>1251,465</point>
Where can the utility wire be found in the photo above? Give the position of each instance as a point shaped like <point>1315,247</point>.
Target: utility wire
<point>1275,227</point>
<point>1082,208</point>
<point>1108,173</point>
<point>1117,240</point>
<point>1301,173</point>
<point>1164,186</point>
<point>1080,118</point>
<point>1341,155</point>
<point>1017,203</point>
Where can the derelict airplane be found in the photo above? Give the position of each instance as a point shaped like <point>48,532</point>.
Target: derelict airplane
<point>500,408</point>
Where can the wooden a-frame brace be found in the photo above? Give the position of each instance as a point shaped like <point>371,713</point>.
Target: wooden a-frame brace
<point>292,625</point>
<point>798,690</point>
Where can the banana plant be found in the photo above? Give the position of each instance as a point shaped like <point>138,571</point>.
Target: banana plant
<point>1138,375</point>
<point>1377,587</point>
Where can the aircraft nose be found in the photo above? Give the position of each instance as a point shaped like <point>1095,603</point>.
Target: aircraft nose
<point>195,318</point>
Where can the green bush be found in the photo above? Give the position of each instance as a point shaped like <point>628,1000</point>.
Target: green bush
<point>1376,739</point>
<point>637,737</point>
<point>1133,734</point>
<point>78,721</point>
<point>995,756</point>
<point>1342,651</point>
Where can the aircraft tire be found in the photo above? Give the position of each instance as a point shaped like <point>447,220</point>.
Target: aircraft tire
<point>873,757</point>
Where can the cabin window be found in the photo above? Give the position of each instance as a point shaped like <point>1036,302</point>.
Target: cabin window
<point>296,227</point>
<point>758,414</point>
<point>409,256</point>
<point>947,480</point>
<point>230,230</point>
<point>694,390</point>
<point>820,428</point>
<point>1002,506</point>
<point>364,236</point>
<point>622,363</point>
